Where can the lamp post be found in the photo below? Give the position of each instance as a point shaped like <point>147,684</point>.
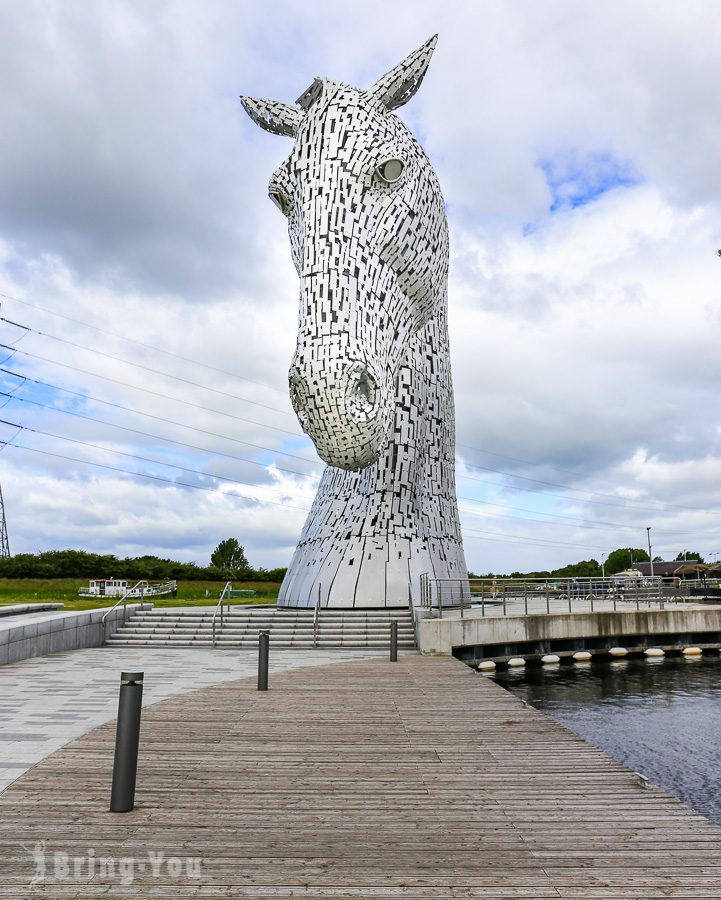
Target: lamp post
<point>603,565</point>
<point>648,534</point>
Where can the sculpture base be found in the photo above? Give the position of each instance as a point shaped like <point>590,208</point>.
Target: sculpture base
<point>368,572</point>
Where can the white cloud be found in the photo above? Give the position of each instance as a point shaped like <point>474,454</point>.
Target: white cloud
<point>132,198</point>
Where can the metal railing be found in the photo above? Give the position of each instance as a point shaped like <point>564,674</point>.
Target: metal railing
<point>124,600</point>
<point>224,595</point>
<point>452,593</point>
<point>533,596</point>
<point>316,618</point>
<point>413,612</point>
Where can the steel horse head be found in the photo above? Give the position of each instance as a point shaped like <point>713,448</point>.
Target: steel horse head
<point>369,240</point>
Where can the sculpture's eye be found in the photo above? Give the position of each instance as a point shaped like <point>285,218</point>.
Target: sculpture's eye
<point>390,170</point>
<point>280,199</point>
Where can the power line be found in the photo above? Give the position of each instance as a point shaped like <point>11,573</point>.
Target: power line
<point>203,431</point>
<point>137,412</point>
<point>525,539</point>
<point>157,393</point>
<point>195,447</point>
<point>619,500</point>
<point>573,523</point>
<point>170,481</point>
<point>175,483</point>
<point>486,535</point>
<point>186,445</point>
<point>231,456</point>
<point>127,340</point>
<point>616,501</point>
<point>126,362</point>
<point>200,472</point>
<point>157,462</point>
<point>146,434</point>
<point>157,437</point>
<point>615,504</point>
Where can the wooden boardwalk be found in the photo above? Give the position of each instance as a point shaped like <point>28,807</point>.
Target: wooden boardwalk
<point>367,779</point>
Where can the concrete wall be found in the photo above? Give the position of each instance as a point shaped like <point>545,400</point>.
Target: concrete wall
<point>444,635</point>
<point>57,632</point>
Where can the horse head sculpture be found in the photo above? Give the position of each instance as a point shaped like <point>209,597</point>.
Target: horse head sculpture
<point>370,378</point>
<point>369,241</point>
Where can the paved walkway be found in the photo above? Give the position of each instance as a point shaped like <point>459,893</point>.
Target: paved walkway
<point>368,779</point>
<point>47,701</point>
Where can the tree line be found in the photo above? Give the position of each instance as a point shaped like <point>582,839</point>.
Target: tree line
<point>82,564</point>
<point>618,561</point>
<point>228,562</point>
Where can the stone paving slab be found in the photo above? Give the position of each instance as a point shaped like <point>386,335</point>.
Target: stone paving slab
<point>47,701</point>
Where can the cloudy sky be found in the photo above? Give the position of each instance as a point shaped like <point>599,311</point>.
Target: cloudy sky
<point>151,300</point>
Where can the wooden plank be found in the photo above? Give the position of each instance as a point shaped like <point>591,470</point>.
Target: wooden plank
<point>358,779</point>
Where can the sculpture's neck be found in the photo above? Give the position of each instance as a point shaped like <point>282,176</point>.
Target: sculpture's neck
<point>410,492</point>
<point>425,422</point>
<point>412,487</point>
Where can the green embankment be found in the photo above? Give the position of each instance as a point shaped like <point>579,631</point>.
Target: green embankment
<point>190,593</point>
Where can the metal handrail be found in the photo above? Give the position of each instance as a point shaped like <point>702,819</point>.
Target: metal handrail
<point>124,601</point>
<point>316,617</point>
<point>219,606</point>
<point>413,617</point>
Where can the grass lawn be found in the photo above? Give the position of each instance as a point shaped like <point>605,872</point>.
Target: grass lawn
<point>190,593</point>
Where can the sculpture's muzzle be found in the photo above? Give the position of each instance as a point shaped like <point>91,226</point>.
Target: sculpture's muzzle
<point>341,404</point>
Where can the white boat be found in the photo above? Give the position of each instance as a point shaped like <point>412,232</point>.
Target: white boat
<point>121,587</point>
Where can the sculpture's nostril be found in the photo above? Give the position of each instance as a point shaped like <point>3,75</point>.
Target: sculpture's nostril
<point>365,389</point>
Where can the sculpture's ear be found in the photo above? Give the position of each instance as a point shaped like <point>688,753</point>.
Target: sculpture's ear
<point>398,86</point>
<point>278,118</point>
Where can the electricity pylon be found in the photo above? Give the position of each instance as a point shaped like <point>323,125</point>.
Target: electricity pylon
<point>4,545</point>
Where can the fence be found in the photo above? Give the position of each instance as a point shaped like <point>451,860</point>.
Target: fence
<point>533,596</point>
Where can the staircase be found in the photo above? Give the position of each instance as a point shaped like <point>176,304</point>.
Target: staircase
<point>289,628</point>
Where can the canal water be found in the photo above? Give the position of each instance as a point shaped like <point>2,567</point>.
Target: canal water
<point>661,718</point>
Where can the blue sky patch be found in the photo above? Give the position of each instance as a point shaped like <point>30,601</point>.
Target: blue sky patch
<point>575,179</point>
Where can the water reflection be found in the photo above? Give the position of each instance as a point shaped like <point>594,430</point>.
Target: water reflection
<point>660,717</point>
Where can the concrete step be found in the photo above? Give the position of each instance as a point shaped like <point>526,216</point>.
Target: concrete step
<point>263,623</point>
<point>254,629</point>
<point>182,626</point>
<point>250,636</point>
<point>347,629</point>
<point>250,644</point>
<point>279,622</point>
<point>381,615</point>
<point>289,628</point>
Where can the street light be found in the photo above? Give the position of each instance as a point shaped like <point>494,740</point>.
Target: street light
<point>648,534</point>
<point>603,565</point>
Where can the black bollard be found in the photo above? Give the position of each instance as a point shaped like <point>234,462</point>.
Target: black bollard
<point>127,738</point>
<point>263,646</point>
<point>394,641</point>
